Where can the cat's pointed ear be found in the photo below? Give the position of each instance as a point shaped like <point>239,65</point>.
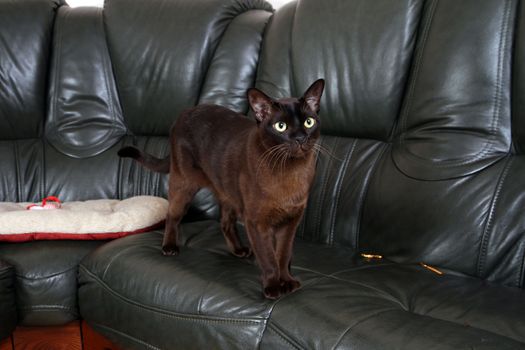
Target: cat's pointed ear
<point>313,94</point>
<point>260,103</point>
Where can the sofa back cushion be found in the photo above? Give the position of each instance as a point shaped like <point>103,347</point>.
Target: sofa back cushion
<point>417,123</point>
<point>25,45</point>
<point>162,52</point>
<point>25,41</point>
<point>364,55</point>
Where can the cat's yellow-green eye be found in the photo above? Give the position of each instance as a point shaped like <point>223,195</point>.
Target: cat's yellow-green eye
<point>309,122</point>
<point>280,126</point>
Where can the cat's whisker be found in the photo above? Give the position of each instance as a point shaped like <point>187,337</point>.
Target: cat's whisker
<point>267,155</point>
<point>276,160</point>
<point>269,151</point>
<point>273,156</point>
<point>321,149</point>
<point>282,161</point>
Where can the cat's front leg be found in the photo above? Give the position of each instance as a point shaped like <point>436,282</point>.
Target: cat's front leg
<point>284,239</point>
<point>261,240</point>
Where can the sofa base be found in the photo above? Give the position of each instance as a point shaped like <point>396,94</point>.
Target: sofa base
<point>76,335</point>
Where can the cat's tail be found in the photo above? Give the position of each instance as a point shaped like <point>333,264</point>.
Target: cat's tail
<point>147,160</point>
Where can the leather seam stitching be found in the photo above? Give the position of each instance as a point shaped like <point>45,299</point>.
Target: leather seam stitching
<point>417,66</point>
<point>522,269</point>
<point>334,276</point>
<point>273,326</point>
<point>490,217</point>
<point>322,194</point>
<point>57,32</point>
<point>170,314</point>
<point>351,327</point>
<point>105,65</point>
<point>338,187</point>
<point>477,328</point>
<point>45,277</point>
<point>43,169</point>
<point>17,169</point>
<point>113,258</point>
<point>291,66</point>
<point>497,99</point>
<point>120,171</point>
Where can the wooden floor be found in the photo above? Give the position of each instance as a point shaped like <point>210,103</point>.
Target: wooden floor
<point>77,335</point>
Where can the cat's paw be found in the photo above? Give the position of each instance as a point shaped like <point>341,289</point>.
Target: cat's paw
<point>242,252</point>
<point>272,292</point>
<point>170,250</point>
<point>290,285</point>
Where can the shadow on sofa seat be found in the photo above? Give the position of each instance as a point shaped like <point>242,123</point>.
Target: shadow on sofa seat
<point>207,296</point>
<point>7,300</point>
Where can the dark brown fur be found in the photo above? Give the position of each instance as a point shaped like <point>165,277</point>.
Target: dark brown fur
<point>259,175</point>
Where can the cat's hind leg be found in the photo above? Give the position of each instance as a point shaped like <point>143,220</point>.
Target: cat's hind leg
<point>229,230</point>
<point>181,192</point>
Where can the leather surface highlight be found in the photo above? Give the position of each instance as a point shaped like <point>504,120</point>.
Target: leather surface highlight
<point>84,117</point>
<point>448,128</point>
<point>162,70</point>
<point>25,41</point>
<point>365,61</point>
<point>518,83</point>
<point>232,71</point>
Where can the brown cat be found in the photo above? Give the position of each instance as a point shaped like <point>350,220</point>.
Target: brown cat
<point>261,173</point>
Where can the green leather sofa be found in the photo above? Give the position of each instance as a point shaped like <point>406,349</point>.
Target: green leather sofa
<point>423,118</point>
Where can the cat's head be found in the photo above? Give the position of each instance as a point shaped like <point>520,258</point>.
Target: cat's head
<point>291,122</point>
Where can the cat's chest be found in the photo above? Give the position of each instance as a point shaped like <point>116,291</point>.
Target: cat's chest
<point>289,189</point>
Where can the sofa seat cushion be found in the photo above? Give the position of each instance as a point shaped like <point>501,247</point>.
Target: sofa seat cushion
<point>45,279</point>
<point>207,296</point>
<point>7,300</point>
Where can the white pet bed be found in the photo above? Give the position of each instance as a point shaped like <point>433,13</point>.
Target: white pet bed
<point>93,219</point>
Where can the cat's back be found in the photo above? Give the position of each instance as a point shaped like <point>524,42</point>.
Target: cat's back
<point>208,120</point>
<point>212,132</point>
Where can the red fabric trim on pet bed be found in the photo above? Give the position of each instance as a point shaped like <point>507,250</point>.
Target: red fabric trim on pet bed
<point>41,236</point>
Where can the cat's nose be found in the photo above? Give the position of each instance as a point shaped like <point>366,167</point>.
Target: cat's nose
<point>301,139</point>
